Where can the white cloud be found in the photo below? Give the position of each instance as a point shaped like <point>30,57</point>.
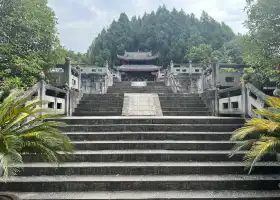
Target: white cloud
<point>81,20</point>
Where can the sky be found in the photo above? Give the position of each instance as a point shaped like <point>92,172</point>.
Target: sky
<point>80,21</point>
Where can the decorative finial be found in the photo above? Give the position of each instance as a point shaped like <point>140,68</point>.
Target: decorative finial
<point>246,78</point>
<point>67,60</point>
<point>276,92</point>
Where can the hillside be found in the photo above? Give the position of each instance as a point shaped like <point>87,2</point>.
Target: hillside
<point>172,34</point>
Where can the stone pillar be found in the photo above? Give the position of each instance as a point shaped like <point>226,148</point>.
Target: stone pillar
<point>80,80</point>
<point>217,74</point>
<point>190,76</point>
<point>42,93</point>
<point>68,72</point>
<point>244,95</point>
<point>171,67</point>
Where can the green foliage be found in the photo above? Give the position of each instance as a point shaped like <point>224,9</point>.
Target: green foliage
<point>200,54</point>
<point>172,34</point>
<point>76,58</point>
<point>28,41</point>
<point>261,44</point>
<point>24,131</point>
<point>260,136</point>
<point>230,52</point>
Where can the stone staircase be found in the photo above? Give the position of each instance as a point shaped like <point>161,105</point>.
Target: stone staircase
<point>147,158</point>
<point>183,105</point>
<point>152,87</point>
<point>143,157</point>
<point>100,105</point>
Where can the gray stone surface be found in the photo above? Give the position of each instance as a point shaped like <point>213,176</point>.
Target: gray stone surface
<point>141,104</point>
<point>262,195</point>
<point>147,157</point>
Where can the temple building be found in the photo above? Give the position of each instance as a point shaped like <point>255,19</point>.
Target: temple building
<point>138,66</point>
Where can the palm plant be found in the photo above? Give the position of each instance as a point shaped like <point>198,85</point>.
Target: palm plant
<point>260,136</point>
<point>25,130</point>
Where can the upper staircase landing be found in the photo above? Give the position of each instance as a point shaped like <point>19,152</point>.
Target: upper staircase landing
<point>153,99</point>
<point>152,87</point>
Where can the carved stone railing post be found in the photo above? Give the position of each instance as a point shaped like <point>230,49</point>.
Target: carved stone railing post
<point>42,93</point>
<point>216,101</point>
<point>190,74</point>
<point>67,103</point>
<point>244,96</point>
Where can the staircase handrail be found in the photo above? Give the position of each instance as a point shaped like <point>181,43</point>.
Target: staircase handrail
<point>256,91</point>
<point>67,102</point>
<point>241,99</point>
<point>230,89</point>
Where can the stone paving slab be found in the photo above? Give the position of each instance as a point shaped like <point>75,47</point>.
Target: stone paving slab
<point>141,104</point>
<point>205,194</point>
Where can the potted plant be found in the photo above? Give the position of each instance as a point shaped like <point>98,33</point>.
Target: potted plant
<point>25,130</point>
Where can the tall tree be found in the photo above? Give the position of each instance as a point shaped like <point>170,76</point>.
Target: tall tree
<point>200,54</point>
<point>262,45</point>
<point>170,33</point>
<point>28,39</point>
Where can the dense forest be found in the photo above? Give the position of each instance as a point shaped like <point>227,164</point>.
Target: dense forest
<point>175,35</point>
<point>29,41</point>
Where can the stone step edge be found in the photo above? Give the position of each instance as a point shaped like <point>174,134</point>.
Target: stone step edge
<point>146,132</point>
<point>138,195</point>
<point>155,142</point>
<point>144,164</point>
<point>176,125</point>
<point>142,178</point>
<point>156,151</point>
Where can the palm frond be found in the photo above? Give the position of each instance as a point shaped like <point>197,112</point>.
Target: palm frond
<point>260,148</point>
<point>272,114</point>
<point>273,102</point>
<point>8,160</point>
<point>255,126</point>
<point>244,145</point>
<point>24,130</point>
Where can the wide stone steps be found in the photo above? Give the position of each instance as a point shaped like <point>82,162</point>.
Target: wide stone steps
<point>155,195</point>
<point>153,120</point>
<point>146,168</point>
<point>161,136</point>
<point>151,127</point>
<point>106,112</point>
<point>178,109</point>
<point>101,96</point>
<point>141,183</point>
<point>100,105</point>
<point>183,105</point>
<point>91,109</point>
<point>137,90</point>
<point>153,144</point>
<point>185,113</point>
<point>102,101</point>
<point>150,156</point>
